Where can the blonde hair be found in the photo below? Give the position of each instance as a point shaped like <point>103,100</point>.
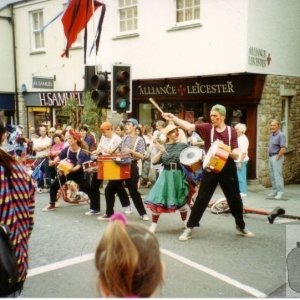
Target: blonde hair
<point>128,260</point>
<point>241,127</point>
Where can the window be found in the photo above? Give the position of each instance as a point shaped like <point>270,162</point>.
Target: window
<point>187,10</point>
<point>37,23</point>
<point>128,15</point>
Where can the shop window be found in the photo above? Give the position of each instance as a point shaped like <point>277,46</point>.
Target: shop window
<point>37,35</point>
<point>128,14</point>
<point>286,101</point>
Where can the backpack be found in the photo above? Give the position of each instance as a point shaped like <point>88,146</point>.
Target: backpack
<point>8,263</point>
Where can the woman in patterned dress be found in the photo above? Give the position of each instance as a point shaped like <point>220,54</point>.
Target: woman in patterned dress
<point>17,204</point>
<point>170,191</point>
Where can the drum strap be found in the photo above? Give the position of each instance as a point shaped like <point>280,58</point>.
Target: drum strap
<point>77,154</point>
<point>212,135</point>
<point>134,142</point>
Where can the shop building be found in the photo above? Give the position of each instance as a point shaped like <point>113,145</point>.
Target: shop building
<point>191,57</point>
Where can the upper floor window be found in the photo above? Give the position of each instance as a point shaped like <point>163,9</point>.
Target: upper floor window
<point>128,15</point>
<point>37,22</point>
<point>187,10</point>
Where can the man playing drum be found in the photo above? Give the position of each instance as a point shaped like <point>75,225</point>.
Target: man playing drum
<point>226,177</point>
<point>109,144</point>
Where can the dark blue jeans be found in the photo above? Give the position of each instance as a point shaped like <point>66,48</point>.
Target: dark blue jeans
<point>46,178</point>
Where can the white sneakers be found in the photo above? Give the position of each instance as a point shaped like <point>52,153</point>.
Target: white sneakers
<point>152,228</point>
<point>276,196</point>
<point>128,210</point>
<point>186,235</point>
<point>145,218</point>
<point>244,232</point>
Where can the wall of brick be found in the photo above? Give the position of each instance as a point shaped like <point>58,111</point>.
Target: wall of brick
<point>270,107</point>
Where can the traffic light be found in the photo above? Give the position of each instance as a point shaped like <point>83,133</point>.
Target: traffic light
<point>100,88</point>
<point>121,99</point>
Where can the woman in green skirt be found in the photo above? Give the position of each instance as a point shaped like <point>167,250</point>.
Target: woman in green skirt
<point>170,191</point>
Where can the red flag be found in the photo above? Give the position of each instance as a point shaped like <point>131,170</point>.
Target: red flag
<point>76,18</point>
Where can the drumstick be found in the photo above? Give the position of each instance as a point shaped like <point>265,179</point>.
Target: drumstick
<point>87,151</point>
<point>155,105</point>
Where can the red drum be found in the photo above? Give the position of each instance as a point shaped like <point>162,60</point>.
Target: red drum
<point>191,158</point>
<point>30,161</point>
<point>30,164</point>
<point>90,166</point>
<point>65,166</point>
<point>109,169</point>
<point>216,157</point>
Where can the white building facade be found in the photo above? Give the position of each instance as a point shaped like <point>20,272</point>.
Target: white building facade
<point>186,54</point>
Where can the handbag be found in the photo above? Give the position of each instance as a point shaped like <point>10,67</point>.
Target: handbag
<point>8,263</point>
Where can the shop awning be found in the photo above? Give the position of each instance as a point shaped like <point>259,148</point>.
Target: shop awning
<point>7,102</point>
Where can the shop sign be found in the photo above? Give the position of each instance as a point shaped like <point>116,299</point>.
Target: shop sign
<point>189,88</point>
<point>59,98</point>
<point>49,99</point>
<point>258,57</point>
<point>42,83</point>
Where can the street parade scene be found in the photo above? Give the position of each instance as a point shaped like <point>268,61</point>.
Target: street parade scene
<point>139,163</point>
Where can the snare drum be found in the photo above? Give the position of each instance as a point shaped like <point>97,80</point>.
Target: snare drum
<point>109,169</point>
<point>90,166</point>
<point>65,166</point>
<point>191,158</point>
<point>216,157</point>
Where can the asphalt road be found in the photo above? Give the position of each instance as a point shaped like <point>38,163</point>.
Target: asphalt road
<point>215,263</point>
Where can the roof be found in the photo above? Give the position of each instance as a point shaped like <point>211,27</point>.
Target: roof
<point>5,3</point>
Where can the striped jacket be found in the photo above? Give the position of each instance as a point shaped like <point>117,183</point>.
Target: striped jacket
<point>16,210</point>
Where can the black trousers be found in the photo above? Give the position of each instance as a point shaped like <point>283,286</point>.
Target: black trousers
<point>115,187</point>
<point>94,191</point>
<point>78,177</point>
<point>132,185</point>
<point>228,181</point>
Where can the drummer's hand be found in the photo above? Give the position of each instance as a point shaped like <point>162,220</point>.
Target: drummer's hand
<point>127,150</point>
<point>221,144</point>
<point>51,163</point>
<point>161,148</point>
<point>168,116</point>
<point>60,173</point>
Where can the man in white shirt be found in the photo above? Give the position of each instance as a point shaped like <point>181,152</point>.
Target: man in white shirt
<point>42,146</point>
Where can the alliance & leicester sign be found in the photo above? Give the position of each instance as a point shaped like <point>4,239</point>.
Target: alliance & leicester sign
<point>189,88</point>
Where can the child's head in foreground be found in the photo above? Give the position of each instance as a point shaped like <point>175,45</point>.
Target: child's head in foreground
<point>128,260</point>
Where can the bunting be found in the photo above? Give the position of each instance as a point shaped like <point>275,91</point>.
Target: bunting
<point>76,18</point>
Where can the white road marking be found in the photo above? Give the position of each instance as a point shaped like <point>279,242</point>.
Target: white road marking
<point>90,256</point>
<point>60,264</point>
<point>215,274</point>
